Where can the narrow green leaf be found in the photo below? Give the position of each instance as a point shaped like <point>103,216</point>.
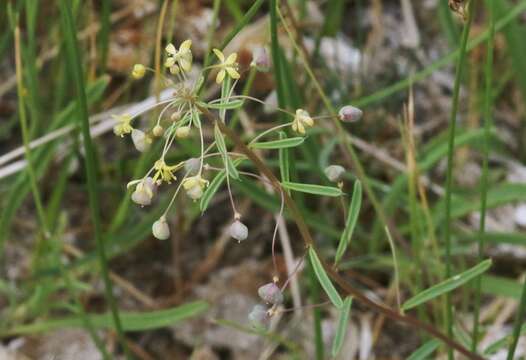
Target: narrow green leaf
<point>424,351</point>
<point>279,144</point>
<point>313,189</point>
<point>352,218</point>
<point>343,321</point>
<point>232,104</point>
<point>324,280</point>
<point>284,160</point>
<point>221,146</point>
<point>214,186</point>
<point>447,285</point>
<point>502,342</point>
<point>132,321</point>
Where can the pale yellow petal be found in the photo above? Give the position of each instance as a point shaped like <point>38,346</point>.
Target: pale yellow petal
<point>220,76</point>
<point>169,62</point>
<point>219,54</point>
<point>170,49</point>
<point>186,63</point>
<point>231,59</point>
<point>233,73</point>
<point>185,45</point>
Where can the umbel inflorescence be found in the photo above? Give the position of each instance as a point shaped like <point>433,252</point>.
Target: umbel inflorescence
<point>184,115</point>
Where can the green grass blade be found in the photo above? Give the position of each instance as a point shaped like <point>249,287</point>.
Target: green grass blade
<point>341,329</point>
<point>449,172</point>
<point>502,342</point>
<point>352,219</point>
<point>313,189</point>
<point>69,32</point>
<point>519,320</point>
<point>324,280</point>
<point>447,286</point>
<point>130,321</point>
<point>424,352</point>
<point>484,179</point>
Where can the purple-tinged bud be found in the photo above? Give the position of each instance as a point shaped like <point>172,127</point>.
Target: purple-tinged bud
<point>261,59</point>
<point>334,172</point>
<point>238,231</point>
<point>271,294</point>
<point>160,229</point>
<point>350,113</point>
<point>258,316</point>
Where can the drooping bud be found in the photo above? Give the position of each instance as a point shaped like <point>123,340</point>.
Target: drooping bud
<point>191,166</point>
<point>140,140</point>
<point>175,116</point>
<point>350,113</point>
<point>334,172</point>
<point>271,294</point>
<point>238,231</point>
<point>258,316</point>
<point>138,71</point>
<point>182,132</point>
<point>160,229</point>
<point>260,59</point>
<point>143,194</point>
<point>158,130</point>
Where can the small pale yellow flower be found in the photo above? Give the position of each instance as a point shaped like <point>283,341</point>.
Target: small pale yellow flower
<point>165,172</point>
<point>194,186</point>
<point>182,132</point>
<point>138,71</point>
<point>228,65</point>
<point>181,59</point>
<point>123,125</point>
<point>301,121</point>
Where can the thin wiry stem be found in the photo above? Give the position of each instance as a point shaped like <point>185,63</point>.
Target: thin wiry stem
<point>484,179</point>
<point>449,174</point>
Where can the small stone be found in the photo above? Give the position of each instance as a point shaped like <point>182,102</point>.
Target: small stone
<point>520,215</point>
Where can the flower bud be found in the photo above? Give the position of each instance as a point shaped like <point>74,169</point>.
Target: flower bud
<point>182,132</point>
<point>138,71</point>
<point>140,140</point>
<point>160,229</point>
<point>238,231</point>
<point>195,186</point>
<point>258,316</point>
<point>175,116</point>
<point>158,130</point>
<point>334,172</point>
<point>350,113</point>
<point>261,59</point>
<point>191,166</point>
<point>271,294</point>
<point>142,194</point>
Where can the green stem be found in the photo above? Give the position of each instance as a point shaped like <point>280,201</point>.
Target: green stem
<point>484,179</point>
<point>449,175</point>
<point>518,323</point>
<point>69,32</point>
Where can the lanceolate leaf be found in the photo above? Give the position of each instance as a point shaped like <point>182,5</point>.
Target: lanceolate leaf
<point>135,321</point>
<point>447,285</point>
<point>324,280</point>
<point>279,144</point>
<point>220,141</point>
<point>343,323</point>
<point>352,218</point>
<point>232,104</point>
<point>424,351</point>
<point>313,189</point>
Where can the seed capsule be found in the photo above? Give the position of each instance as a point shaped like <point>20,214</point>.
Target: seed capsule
<point>334,172</point>
<point>271,294</point>
<point>238,231</point>
<point>182,132</point>
<point>160,229</point>
<point>258,316</point>
<point>350,113</point>
<point>158,130</point>
<point>261,59</point>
